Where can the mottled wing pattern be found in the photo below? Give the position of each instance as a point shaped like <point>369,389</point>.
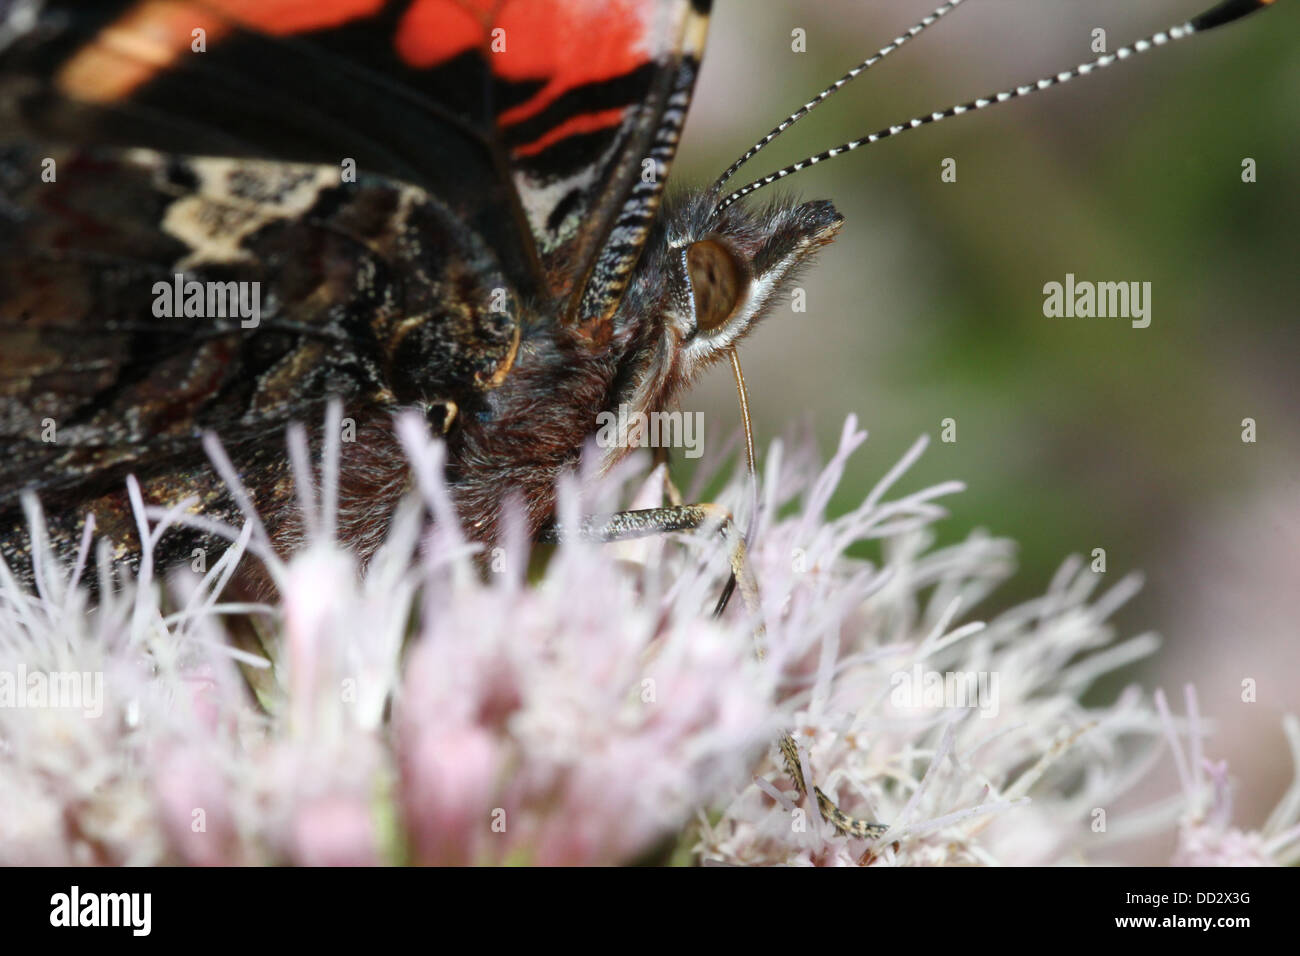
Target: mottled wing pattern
<point>109,364</point>
<point>547,126</point>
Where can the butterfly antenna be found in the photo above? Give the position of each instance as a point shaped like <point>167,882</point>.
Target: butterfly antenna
<point>817,100</point>
<point>1224,13</point>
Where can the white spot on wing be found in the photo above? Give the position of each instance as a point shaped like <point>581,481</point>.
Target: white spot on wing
<point>234,199</point>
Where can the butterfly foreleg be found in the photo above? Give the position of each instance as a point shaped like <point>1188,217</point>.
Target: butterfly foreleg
<point>628,525</point>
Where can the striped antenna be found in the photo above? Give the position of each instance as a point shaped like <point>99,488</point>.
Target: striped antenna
<point>1224,13</point>
<point>817,100</point>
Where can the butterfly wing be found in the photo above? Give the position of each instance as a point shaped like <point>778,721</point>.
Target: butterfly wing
<point>547,126</point>
<point>146,298</point>
<point>499,151</point>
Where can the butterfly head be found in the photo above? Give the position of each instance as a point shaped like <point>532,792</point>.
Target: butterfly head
<point>707,278</point>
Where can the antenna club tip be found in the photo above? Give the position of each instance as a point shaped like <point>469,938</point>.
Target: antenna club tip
<point>1227,12</point>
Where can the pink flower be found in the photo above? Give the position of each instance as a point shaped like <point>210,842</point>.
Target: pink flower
<point>444,706</point>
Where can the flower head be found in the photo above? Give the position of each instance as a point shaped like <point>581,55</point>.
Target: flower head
<point>443,704</point>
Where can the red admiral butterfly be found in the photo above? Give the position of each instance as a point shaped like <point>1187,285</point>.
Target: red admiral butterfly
<point>217,215</point>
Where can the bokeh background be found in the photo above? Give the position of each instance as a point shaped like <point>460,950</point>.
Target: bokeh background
<point>1073,434</point>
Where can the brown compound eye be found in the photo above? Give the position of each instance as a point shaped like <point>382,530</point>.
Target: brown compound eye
<point>716,280</point>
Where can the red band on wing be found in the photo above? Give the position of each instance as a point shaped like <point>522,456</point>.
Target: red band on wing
<point>127,53</point>
<point>281,17</point>
<point>566,44</point>
<point>584,123</point>
<point>152,34</point>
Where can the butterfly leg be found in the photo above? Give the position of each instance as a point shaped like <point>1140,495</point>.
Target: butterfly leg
<point>841,821</point>
<point>625,525</point>
<point>675,499</point>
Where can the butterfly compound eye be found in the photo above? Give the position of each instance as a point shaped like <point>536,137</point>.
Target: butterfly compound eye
<point>716,281</point>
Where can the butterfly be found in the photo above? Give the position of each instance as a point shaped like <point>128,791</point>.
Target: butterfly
<point>217,216</point>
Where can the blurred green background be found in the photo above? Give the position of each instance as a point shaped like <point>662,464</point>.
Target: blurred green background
<point>1072,433</point>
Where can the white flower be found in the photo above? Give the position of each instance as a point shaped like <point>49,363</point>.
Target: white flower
<point>443,706</point>
<point>1205,834</point>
